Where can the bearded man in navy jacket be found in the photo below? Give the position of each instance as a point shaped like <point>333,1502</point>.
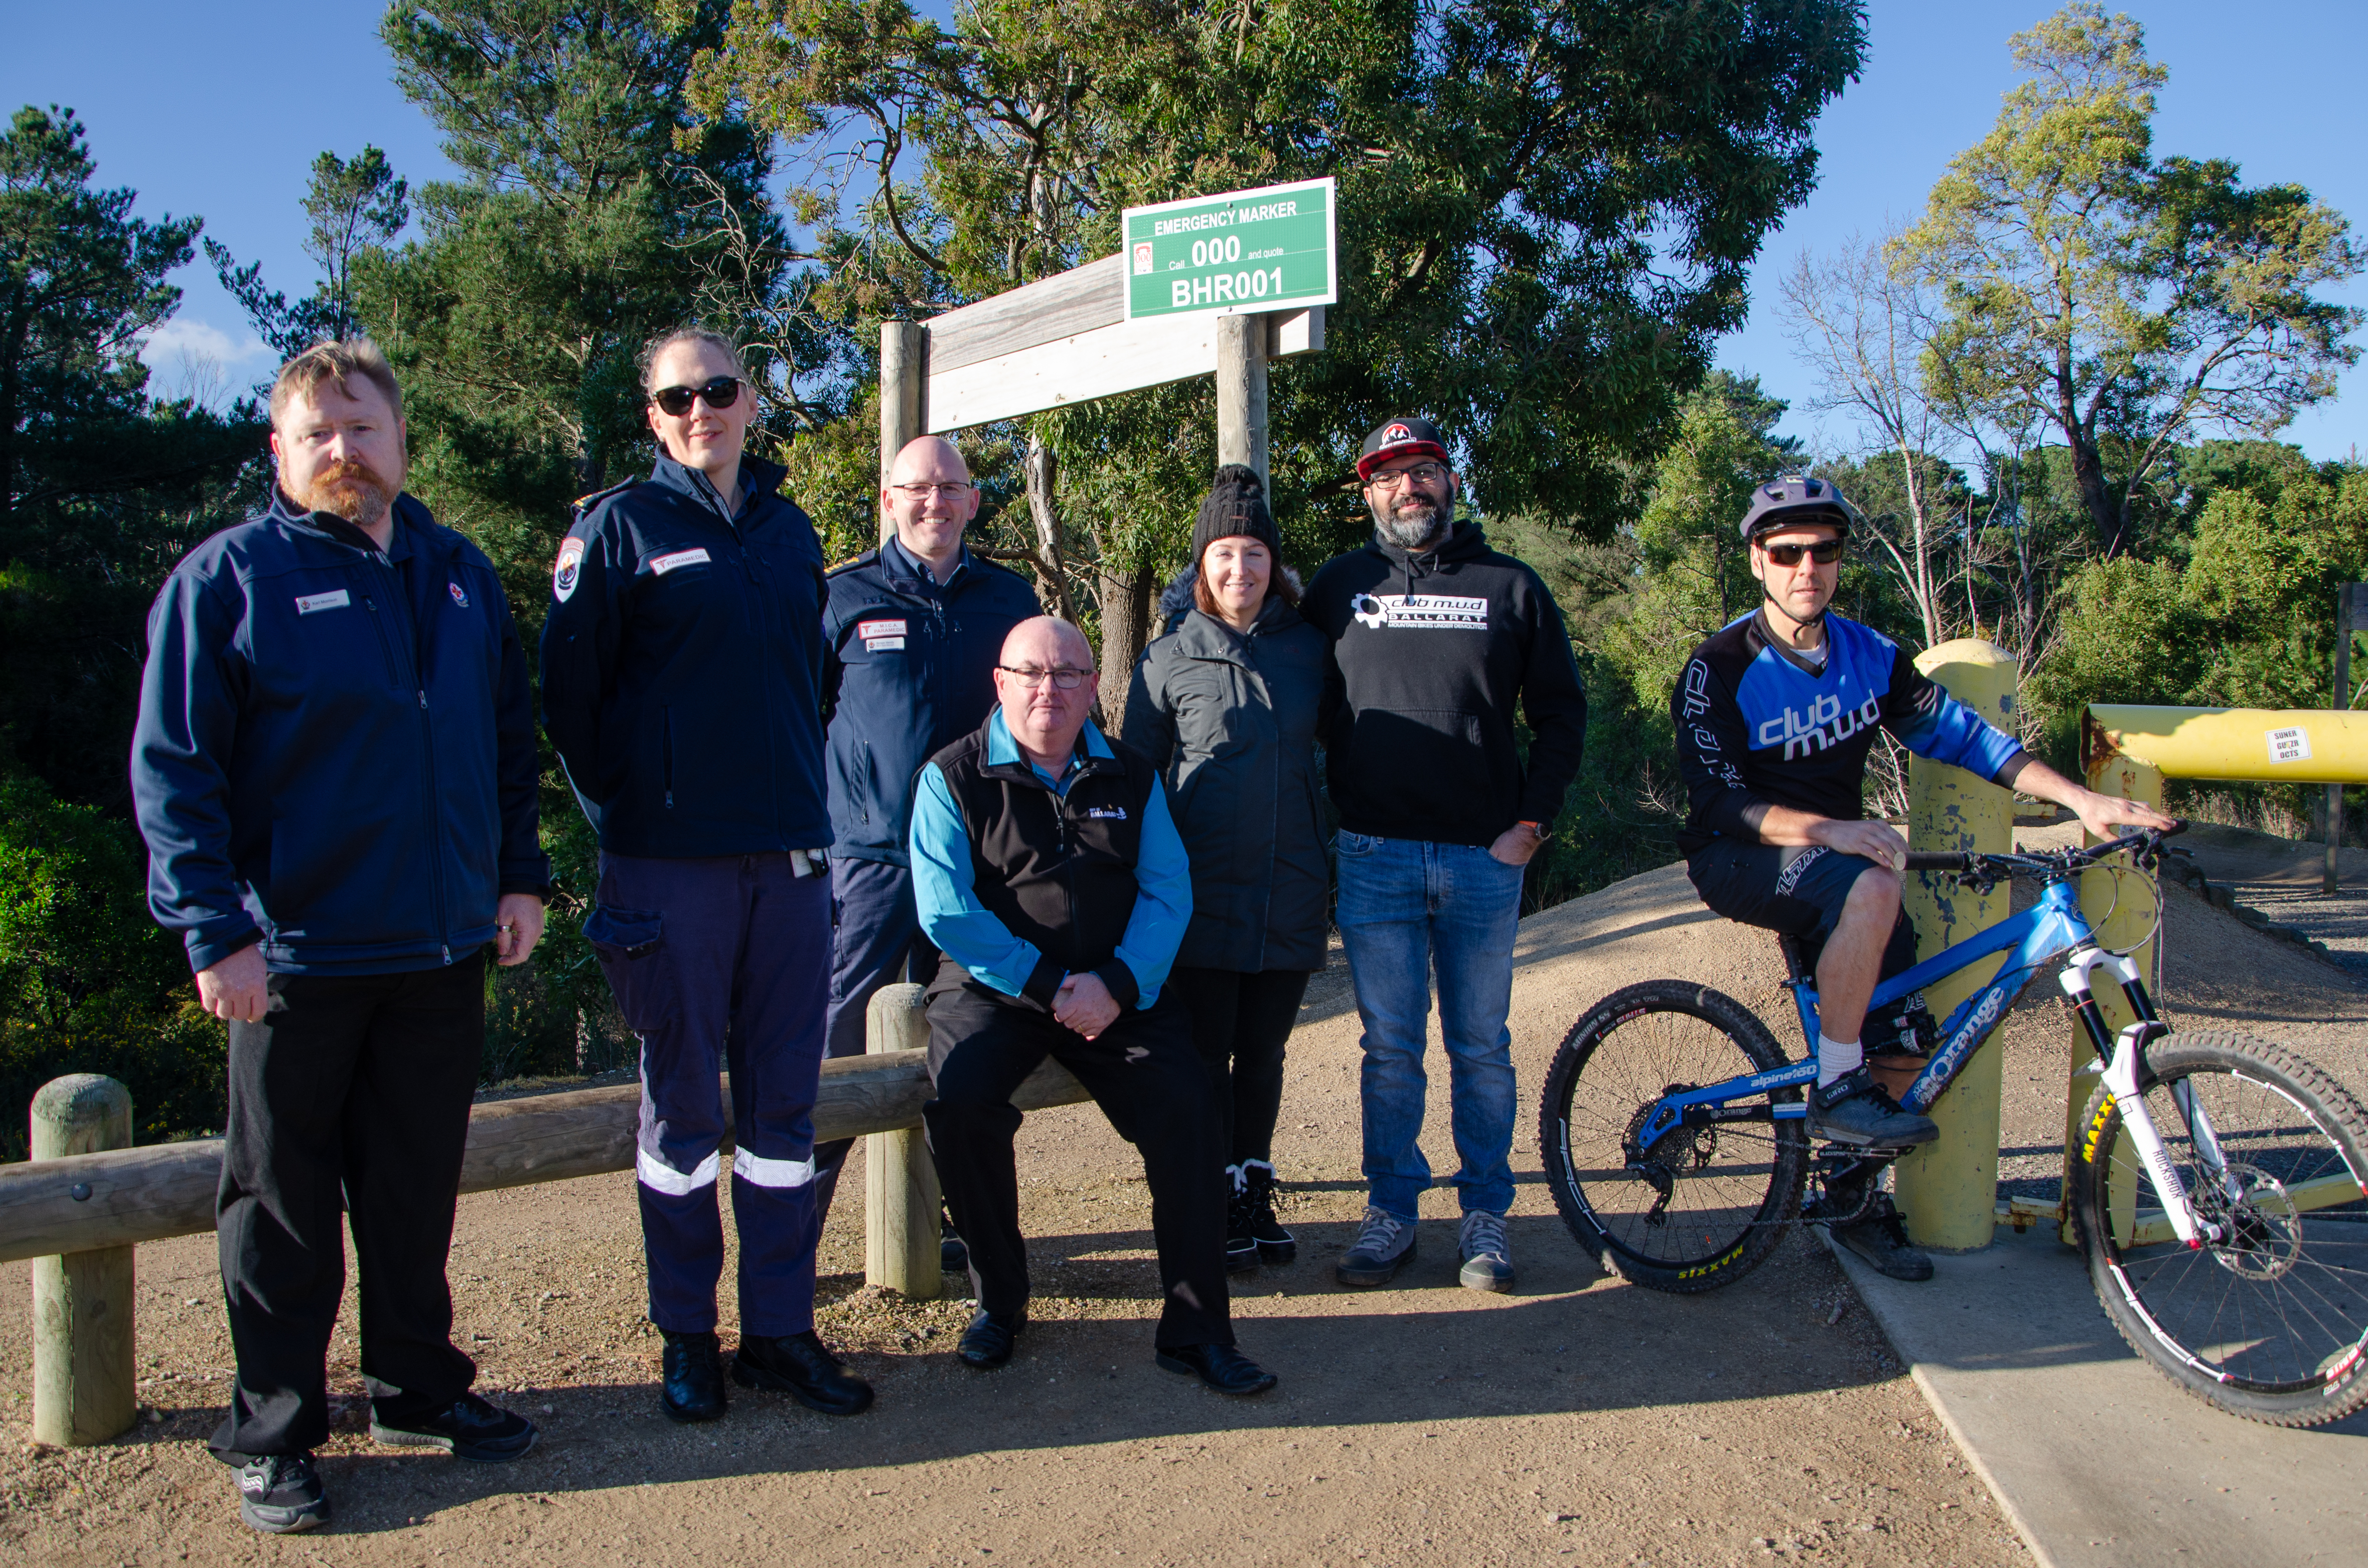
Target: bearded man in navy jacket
<point>334,771</point>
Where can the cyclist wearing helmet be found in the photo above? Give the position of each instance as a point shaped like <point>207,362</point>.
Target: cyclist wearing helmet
<point>1775,715</point>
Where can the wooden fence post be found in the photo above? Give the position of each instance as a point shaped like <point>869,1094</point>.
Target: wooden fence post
<point>904,376</point>
<point>83,1389</point>
<point>900,1250</point>
<point>1241,392</point>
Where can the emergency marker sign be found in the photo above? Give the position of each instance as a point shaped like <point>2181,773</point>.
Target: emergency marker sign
<point>1268,249</point>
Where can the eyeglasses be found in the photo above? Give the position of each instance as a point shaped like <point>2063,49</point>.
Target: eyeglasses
<point>721,392</point>
<point>1420,473</point>
<point>1825,552</point>
<point>953,492</point>
<point>1062,679</point>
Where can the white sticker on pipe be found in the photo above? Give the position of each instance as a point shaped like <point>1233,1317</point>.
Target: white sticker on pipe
<point>2289,745</point>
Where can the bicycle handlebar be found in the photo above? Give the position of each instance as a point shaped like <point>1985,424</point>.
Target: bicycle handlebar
<point>1961,863</point>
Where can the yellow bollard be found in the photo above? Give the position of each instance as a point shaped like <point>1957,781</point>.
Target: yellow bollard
<point>2130,897</point>
<point>1948,1189</point>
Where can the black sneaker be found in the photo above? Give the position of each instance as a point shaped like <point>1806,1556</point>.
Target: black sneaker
<point>691,1386</point>
<point>1241,1247</point>
<point>280,1494</point>
<point>800,1365</point>
<point>473,1428</point>
<point>1275,1245</point>
<point>1880,1241</point>
<point>1854,1109</point>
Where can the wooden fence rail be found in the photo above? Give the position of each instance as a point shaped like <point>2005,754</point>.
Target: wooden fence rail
<point>86,1201</point>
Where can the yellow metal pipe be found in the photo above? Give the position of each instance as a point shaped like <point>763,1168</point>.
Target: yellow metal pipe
<point>2277,746</point>
<point>1948,1189</point>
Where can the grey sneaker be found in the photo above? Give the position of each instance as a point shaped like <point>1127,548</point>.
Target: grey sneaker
<point>1854,1109</point>
<point>281,1494</point>
<point>1881,1240</point>
<point>1487,1256</point>
<point>1383,1246</point>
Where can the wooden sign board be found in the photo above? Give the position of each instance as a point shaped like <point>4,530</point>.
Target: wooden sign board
<point>1065,340</point>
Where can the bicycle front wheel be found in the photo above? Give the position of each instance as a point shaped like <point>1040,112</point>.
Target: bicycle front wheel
<point>2268,1321</point>
<point>1705,1205</point>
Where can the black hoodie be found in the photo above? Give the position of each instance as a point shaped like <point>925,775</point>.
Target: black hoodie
<point>1430,654</point>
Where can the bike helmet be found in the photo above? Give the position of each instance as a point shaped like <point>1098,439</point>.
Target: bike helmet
<point>1792,499</point>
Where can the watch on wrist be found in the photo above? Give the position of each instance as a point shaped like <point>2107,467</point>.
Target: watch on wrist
<point>1538,830</point>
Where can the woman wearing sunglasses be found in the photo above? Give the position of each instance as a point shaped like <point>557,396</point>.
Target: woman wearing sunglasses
<point>1225,705</point>
<point>681,670</point>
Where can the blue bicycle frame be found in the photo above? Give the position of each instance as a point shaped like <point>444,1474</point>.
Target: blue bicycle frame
<point>2037,937</point>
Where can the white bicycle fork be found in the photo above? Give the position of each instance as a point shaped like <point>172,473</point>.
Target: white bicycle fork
<point>2121,1077</point>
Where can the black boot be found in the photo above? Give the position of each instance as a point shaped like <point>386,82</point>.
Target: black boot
<point>1275,1245</point>
<point>691,1384</point>
<point>1241,1247</point>
<point>800,1365</point>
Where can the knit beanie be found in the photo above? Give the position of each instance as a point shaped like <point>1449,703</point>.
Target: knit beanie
<point>1235,508</point>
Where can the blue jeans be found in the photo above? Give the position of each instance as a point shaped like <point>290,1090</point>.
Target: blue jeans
<point>1405,908</point>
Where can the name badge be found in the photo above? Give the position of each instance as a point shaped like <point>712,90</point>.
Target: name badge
<point>880,636</point>
<point>662,564</point>
<point>336,598</point>
<point>1114,814</point>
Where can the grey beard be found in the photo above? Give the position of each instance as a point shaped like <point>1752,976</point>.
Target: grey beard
<point>1412,533</point>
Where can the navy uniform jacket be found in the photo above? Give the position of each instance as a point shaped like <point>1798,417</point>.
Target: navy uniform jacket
<point>908,670</point>
<point>682,667</point>
<point>334,752</point>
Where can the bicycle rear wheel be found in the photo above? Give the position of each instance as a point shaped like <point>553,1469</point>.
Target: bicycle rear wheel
<point>1707,1204</point>
<point>2271,1321</point>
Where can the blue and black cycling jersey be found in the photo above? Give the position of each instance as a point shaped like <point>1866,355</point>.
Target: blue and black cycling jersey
<point>1757,724</point>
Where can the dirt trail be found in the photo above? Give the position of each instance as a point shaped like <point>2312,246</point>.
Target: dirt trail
<point>1579,1420</point>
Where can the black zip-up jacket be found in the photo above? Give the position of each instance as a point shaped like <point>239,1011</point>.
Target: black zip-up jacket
<point>1229,720</point>
<point>1431,654</point>
<point>334,752</point>
<point>682,667</point>
<point>908,668</point>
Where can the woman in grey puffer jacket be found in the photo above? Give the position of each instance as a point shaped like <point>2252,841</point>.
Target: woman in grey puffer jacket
<point>1225,703</point>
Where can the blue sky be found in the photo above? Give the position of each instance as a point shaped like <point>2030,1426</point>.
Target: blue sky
<point>219,109</point>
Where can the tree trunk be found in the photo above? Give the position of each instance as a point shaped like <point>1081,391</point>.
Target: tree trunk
<point>1126,624</point>
<point>1053,590</point>
<point>2107,518</point>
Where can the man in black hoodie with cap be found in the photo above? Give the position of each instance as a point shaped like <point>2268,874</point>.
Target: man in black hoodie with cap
<point>1436,638</point>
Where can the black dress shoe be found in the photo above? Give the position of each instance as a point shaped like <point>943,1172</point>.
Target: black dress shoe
<point>471,1429</point>
<point>986,1343</point>
<point>800,1366</point>
<point>1220,1366</point>
<point>692,1386</point>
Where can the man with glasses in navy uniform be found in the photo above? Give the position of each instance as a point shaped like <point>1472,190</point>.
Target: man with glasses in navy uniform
<point>681,685</point>
<point>1775,715</point>
<point>910,636</point>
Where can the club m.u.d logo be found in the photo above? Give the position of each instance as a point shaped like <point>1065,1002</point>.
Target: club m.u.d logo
<point>1435,612</point>
<point>1828,724</point>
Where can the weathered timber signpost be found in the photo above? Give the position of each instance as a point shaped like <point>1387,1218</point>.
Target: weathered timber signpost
<point>1216,285</point>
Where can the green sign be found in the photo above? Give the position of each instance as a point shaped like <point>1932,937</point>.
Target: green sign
<point>1245,250</point>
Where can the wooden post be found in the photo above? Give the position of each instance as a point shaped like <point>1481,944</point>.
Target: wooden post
<point>1241,392</point>
<point>83,1391</point>
<point>901,1248</point>
<point>904,375</point>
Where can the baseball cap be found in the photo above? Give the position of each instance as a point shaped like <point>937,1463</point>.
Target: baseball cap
<point>1402,437</point>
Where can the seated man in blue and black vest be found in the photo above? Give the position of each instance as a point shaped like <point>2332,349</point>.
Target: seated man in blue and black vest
<point>1049,876</point>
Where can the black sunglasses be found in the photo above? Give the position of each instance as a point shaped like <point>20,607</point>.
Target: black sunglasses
<point>721,392</point>
<point>1825,552</point>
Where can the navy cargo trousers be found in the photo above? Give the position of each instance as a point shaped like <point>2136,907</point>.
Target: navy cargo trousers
<point>722,961</point>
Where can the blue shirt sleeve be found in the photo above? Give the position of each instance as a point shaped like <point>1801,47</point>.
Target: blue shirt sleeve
<point>964,929</point>
<point>1163,904</point>
<point>1933,724</point>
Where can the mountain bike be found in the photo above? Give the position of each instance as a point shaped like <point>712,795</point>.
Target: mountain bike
<point>2219,1190</point>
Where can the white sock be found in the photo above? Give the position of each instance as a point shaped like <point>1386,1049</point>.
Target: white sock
<point>1837,1058</point>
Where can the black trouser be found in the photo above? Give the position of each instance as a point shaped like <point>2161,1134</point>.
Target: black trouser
<point>350,1096</point>
<point>1143,1073</point>
<point>1240,1024</point>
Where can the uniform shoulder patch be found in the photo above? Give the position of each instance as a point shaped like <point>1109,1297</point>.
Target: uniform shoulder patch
<point>866,559</point>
